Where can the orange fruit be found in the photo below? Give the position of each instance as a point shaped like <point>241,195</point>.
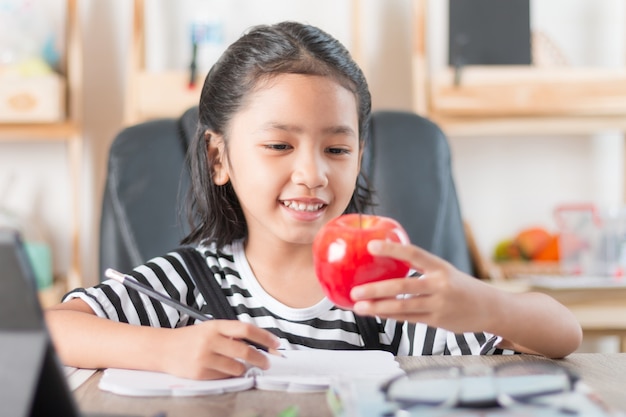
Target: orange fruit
<point>532,241</point>
<point>550,253</point>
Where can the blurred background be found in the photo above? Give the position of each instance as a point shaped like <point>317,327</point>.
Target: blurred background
<point>508,179</point>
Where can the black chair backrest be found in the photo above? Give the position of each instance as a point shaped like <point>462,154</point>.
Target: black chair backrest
<point>407,160</point>
<point>142,207</point>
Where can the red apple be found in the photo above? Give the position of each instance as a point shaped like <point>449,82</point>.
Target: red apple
<point>342,260</point>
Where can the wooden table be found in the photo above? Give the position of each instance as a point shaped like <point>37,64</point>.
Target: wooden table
<point>605,373</point>
<point>600,311</point>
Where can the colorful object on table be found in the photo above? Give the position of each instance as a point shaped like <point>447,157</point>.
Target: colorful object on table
<point>291,411</point>
<point>342,260</point>
<point>532,241</point>
<point>40,257</point>
<point>530,244</point>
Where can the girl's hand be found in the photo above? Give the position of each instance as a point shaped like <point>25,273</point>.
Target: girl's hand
<point>215,349</point>
<point>443,297</point>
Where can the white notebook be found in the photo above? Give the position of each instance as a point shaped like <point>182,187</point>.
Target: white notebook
<point>298,371</point>
<point>77,376</point>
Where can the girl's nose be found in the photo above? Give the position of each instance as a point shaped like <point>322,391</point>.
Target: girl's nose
<point>310,171</point>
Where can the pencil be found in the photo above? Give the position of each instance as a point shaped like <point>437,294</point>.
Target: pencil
<point>131,282</point>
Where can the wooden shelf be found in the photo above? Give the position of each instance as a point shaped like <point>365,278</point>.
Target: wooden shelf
<point>68,132</point>
<point>527,125</point>
<point>153,95</point>
<point>515,100</point>
<point>529,91</point>
<point>165,94</point>
<point>44,131</point>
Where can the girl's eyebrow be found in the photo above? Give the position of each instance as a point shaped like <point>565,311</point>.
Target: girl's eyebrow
<point>339,129</point>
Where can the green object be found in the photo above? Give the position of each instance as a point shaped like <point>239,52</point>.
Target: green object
<point>333,399</point>
<point>291,411</point>
<point>40,258</point>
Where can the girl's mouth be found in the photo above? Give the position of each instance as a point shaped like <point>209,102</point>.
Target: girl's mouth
<point>301,206</point>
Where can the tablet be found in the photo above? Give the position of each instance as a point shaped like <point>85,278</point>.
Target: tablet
<point>32,381</point>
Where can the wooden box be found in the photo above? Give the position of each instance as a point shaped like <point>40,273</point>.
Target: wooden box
<point>165,94</point>
<point>516,269</point>
<point>36,99</point>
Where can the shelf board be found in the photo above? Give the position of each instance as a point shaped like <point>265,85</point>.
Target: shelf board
<point>41,131</point>
<point>527,126</point>
<point>518,91</point>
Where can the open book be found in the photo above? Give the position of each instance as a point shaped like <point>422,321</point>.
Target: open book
<point>298,371</point>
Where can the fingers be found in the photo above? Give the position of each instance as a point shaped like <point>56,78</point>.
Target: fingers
<point>245,331</point>
<point>387,303</point>
<point>223,348</point>
<point>392,288</point>
<point>419,259</point>
<point>403,298</point>
<point>238,340</point>
<point>432,267</point>
<point>243,352</point>
<point>442,297</point>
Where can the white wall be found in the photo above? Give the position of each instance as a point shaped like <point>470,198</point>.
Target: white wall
<point>504,183</point>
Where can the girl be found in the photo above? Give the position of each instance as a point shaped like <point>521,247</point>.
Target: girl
<point>283,115</point>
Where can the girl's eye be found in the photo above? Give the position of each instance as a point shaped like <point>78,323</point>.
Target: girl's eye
<point>338,151</point>
<point>277,146</point>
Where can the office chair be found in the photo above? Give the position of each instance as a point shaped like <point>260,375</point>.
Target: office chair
<point>147,178</point>
<point>407,160</point>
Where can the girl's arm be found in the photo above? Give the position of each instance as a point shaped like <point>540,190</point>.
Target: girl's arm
<point>209,350</point>
<point>447,298</point>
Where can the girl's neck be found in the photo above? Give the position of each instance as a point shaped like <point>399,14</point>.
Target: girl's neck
<point>286,272</point>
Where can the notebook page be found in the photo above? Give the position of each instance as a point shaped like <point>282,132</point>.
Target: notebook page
<point>298,371</point>
<point>150,384</point>
<point>315,370</point>
<point>77,376</point>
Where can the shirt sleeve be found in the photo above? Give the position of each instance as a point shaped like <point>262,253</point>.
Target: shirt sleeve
<point>480,343</point>
<point>167,275</point>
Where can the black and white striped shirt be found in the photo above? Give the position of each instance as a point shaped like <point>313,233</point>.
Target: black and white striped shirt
<point>322,326</point>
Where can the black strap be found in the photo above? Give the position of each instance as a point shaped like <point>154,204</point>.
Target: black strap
<point>216,303</point>
<point>218,306</point>
<point>368,328</point>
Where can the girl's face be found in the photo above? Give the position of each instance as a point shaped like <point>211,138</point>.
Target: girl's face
<point>293,156</point>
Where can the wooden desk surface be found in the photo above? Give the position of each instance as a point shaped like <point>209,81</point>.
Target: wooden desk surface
<point>605,373</point>
<point>600,311</point>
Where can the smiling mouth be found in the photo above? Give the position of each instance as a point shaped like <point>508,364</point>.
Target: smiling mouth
<point>294,205</point>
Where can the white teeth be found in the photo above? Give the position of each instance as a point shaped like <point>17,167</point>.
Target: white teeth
<point>301,206</point>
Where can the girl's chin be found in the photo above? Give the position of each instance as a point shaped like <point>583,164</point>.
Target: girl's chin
<point>299,237</point>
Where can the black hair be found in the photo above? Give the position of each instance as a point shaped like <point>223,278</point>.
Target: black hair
<point>214,211</point>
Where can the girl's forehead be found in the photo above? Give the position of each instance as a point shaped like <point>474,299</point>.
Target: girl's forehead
<point>270,83</point>
<point>295,104</point>
<point>308,100</point>
<point>298,88</point>
<point>267,80</point>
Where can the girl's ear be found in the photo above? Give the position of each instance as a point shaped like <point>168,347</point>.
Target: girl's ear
<point>216,155</point>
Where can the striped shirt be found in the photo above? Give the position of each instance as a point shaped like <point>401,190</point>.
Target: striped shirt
<point>321,326</point>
